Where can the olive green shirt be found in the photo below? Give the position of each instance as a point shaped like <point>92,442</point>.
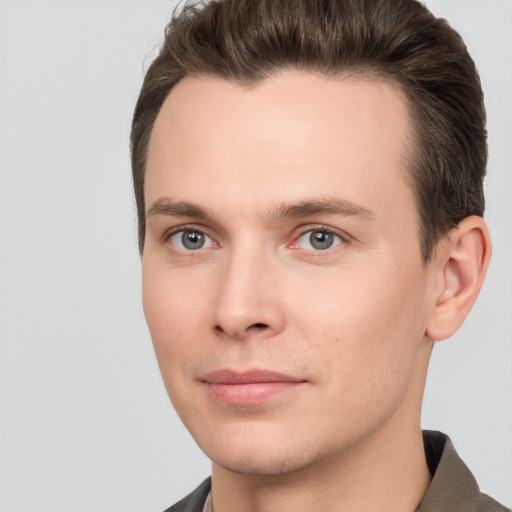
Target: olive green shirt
<point>453,487</point>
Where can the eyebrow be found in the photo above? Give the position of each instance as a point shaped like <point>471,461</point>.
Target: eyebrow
<point>326,206</point>
<point>165,206</point>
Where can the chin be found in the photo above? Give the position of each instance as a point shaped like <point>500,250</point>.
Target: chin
<point>264,463</point>
<point>249,446</point>
<point>258,452</point>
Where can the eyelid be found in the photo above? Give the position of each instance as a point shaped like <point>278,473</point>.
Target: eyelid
<point>169,233</point>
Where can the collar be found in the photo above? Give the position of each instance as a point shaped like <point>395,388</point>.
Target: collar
<point>453,487</point>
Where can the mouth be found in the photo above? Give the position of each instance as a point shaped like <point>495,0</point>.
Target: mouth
<point>250,387</point>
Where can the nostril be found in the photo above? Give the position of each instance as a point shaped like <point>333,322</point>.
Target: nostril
<point>259,326</point>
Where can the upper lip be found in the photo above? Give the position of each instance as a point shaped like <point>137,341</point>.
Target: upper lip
<point>247,377</point>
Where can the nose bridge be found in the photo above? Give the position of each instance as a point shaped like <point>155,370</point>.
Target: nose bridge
<point>247,300</point>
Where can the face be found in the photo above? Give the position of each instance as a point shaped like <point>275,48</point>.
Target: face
<point>282,275</point>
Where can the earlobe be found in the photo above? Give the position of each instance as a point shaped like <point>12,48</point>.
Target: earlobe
<point>463,262</point>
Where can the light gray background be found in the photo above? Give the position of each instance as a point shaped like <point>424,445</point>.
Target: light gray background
<point>85,422</point>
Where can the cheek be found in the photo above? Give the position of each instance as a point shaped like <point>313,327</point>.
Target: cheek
<point>174,312</point>
<point>366,326</point>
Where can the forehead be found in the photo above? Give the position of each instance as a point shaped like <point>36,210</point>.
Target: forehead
<point>272,142</point>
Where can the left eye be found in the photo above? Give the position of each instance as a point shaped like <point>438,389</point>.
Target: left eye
<point>319,240</point>
<point>191,240</point>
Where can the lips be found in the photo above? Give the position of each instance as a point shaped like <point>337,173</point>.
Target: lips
<point>249,388</point>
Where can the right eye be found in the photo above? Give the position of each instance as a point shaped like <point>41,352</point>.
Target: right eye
<point>191,240</point>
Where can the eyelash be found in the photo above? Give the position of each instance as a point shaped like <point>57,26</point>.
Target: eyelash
<point>342,238</point>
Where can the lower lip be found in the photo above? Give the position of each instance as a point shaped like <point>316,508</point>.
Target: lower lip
<point>250,393</point>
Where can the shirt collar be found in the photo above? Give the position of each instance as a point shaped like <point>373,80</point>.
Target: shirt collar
<point>453,487</point>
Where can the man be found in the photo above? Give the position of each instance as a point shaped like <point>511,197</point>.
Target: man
<point>309,183</point>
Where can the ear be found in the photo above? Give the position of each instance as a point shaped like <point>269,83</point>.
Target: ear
<point>462,260</point>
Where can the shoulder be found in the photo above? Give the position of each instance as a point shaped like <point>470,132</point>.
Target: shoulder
<point>453,487</point>
<point>488,504</point>
<point>195,501</point>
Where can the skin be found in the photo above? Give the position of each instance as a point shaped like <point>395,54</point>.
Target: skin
<point>257,170</point>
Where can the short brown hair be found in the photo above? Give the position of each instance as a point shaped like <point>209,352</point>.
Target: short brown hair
<point>247,41</point>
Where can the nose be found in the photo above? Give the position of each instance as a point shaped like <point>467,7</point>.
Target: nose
<point>248,304</point>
